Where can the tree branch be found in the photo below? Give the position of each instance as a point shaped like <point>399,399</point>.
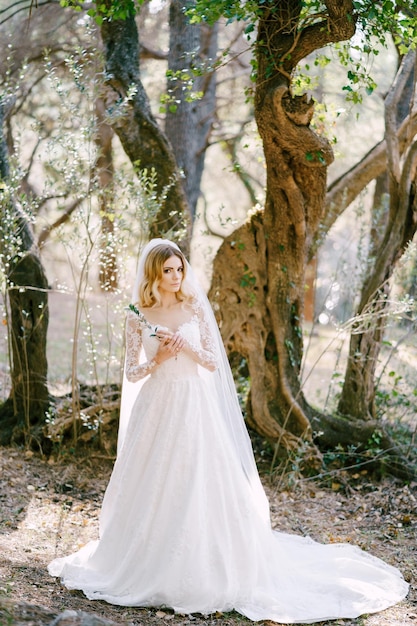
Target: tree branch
<point>339,26</point>
<point>46,231</point>
<point>391,105</point>
<point>27,7</point>
<point>342,192</point>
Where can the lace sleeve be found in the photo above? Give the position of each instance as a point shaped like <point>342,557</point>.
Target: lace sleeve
<point>135,370</point>
<point>204,353</point>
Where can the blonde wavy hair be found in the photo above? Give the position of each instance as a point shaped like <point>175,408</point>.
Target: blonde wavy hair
<point>149,294</point>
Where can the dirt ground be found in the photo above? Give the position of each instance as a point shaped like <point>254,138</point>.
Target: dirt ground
<point>50,507</point>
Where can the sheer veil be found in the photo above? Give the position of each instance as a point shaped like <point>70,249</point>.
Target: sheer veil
<point>221,382</point>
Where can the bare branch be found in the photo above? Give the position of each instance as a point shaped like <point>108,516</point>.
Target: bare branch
<point>13,5</point>
<point>149,53</point>
<point>46,231</point>
<point>27,8</point>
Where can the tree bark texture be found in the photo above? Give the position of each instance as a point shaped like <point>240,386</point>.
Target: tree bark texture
<point>296,162</point>
<point>23,414</point>
<point>238,297</point>
<point>192,48</point>
<point>131,117</point>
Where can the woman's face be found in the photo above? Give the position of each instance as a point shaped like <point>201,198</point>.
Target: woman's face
<point>172,275</point>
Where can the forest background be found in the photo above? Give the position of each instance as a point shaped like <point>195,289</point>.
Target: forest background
<point>317,312</point>
<point>314,282</point>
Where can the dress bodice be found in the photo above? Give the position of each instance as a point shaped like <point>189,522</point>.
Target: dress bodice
<point>141,337</point>
<point>181,366</point>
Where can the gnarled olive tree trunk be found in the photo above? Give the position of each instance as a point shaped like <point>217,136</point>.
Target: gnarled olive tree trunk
<point>268,255</point>
<point>239,287</point>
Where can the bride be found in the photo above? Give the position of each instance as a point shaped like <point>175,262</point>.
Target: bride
<point>185,520</point>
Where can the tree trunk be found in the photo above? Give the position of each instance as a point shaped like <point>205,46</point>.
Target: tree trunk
<point>22,416</point>
<point>270,266</point>
<point>294,200</point>
<point>130,116</point>
<point>260,270</point>
<point>108,274</point>
<point>296,162</point>
<point>342,192</point>
<point>358,394</point>
<point>238,296</point>
<point>368,348</point>
<point>189,120</point>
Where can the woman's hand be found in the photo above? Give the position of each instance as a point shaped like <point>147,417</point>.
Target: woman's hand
<point>170,344</point>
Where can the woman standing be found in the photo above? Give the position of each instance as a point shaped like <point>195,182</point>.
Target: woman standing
<point>185,521</point>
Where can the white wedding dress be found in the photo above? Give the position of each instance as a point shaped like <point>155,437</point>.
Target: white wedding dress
<point>182,527</point>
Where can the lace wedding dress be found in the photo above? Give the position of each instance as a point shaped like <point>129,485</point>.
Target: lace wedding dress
<point>181,525</point>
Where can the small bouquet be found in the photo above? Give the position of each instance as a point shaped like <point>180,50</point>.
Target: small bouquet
<point>143,319</point>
